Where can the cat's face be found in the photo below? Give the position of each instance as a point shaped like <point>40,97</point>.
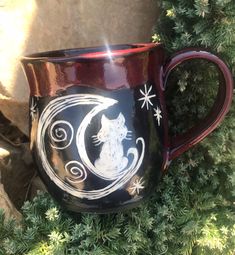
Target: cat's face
<point>112,129</point>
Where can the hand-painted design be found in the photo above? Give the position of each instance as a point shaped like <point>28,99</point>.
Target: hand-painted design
<point>119,182</point>
<point>157,114</point>
<point>100,103</point>
<point>60,137</point>
<point>33,109</point>
<point>111,161</point>
<point>76,170</point>
<point>137,186</point>
<point>99,172</point>
<point>146,101</point>
<point>101,137</point>
<point>146,97</point>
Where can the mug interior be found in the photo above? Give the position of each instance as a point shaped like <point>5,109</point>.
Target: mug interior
<point>91,52</point>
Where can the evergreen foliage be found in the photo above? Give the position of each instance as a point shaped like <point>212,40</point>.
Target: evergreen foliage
<point>193,209</point>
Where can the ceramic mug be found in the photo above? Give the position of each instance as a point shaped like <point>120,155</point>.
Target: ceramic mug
<point>99,127</point>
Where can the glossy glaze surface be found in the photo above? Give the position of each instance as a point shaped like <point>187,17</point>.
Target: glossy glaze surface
<point>100,69</point>
<point>98,149</point>
<point>183,142</point>
<point>99,126</point>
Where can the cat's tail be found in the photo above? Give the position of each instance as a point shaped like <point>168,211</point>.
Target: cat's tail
<point>125,176</point>
<point>137,160</point>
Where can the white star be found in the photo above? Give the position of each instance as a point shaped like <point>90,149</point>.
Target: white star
<point>137,186</point>
<point>33,109</point>
<point>158,115</point>
<point>146,97</point>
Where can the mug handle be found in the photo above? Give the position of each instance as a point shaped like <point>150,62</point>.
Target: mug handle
<point>182,142</point>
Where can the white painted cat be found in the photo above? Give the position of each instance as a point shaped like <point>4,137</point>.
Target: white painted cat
<point>111,160</point>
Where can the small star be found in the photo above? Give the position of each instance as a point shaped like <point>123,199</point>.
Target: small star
<point>158,115</point>
<point>146,97</point>
<point>137,186</point>
<point>33,109</point>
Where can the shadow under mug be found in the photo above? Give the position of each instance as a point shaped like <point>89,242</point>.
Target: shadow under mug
<point>98,121</point>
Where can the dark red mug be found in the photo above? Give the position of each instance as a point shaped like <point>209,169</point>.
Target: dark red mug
<point>98,121</point>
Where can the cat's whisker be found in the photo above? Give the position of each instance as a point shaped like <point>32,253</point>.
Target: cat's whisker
<point>129,131</point>
<point>128,138</point>
<point>95,139</point>
<point>97,144</point>
<point>94,136</point>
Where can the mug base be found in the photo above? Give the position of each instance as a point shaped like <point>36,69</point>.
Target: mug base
<point>121,208</point>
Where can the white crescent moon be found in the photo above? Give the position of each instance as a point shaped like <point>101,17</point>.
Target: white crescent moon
<point>60,104</point>
<point>80,137</point>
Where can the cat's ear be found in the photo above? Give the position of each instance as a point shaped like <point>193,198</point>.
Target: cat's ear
<point>104,120</point>
<point>121,118</point>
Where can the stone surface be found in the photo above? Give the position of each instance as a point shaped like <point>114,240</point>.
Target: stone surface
<point>7,206</point>
<point>17,172</point>
<point>36,185</point>
<point>28,26</point>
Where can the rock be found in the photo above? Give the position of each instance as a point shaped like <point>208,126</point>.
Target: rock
<point>7,206</point>
<point>36,185</point>
<point>33,26</point>
<point>17,171</point>
<point>4,153</point>
<point>15,111</point>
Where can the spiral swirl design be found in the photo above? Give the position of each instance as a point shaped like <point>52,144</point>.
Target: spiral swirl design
<point>77,172</point>
<point>61,134</point>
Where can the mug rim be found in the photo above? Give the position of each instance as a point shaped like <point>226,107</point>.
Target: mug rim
<point>90,53</point>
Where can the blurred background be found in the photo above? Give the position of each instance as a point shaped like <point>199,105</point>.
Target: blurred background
<point>29,26</point>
